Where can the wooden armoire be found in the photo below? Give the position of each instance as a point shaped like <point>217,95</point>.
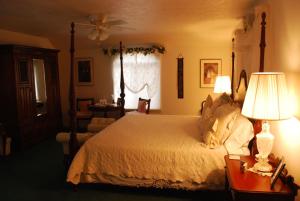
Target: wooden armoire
<point>30,106</point>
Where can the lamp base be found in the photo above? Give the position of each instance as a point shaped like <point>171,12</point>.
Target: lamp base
<point>262,165</point>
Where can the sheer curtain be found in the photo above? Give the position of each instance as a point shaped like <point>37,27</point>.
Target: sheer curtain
<point>141,77</point>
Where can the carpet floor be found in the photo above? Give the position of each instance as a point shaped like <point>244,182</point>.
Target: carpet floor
<point>38,174</point>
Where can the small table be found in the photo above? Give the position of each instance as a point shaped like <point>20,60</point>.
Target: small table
<point>105,108</point>
<point>246,186</point>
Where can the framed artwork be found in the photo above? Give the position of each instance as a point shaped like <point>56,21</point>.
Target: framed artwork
<point>84,71</point>
<point>276,173</point>
<point>209,69</point>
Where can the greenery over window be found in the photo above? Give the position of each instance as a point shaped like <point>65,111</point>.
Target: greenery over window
<point>135,50</point>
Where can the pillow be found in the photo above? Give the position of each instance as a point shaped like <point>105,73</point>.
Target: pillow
<point>221,100</point>
<point>142,106</point>
<point>218,127</point>
<point>206,127</point>
<point>207,107</point>
<point>241,134</point>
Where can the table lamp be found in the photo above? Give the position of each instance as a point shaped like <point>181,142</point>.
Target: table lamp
<point>266,99</point>
<point>222,85</point>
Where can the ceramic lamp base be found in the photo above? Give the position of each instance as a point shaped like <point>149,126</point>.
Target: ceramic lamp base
<point>263,166</point>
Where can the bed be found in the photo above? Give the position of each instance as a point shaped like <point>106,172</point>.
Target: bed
<point>163,151</point>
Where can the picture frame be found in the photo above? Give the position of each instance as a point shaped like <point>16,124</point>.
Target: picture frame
<point>209,69</point>
<point>277,165</point>
<point>277,173</point>
<point>84,71</point>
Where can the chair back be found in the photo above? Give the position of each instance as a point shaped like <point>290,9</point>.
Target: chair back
<point>144,105</point>
<point>84,103</point>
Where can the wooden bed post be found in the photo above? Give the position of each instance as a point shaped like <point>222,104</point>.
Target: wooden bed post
<point>232,70</point>
<point>73,143</point>
<point>257,126</point>
<point>122,85</point>
<point>262,44</point>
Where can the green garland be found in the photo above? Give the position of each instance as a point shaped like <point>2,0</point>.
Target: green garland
<point>135,50</point>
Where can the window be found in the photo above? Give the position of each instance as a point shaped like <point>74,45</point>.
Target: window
<point>141,77</point>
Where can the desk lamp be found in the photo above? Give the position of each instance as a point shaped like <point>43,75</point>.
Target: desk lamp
<point>222,85</point>
<point>266,99</point>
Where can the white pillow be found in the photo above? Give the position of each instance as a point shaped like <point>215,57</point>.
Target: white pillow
<point>218,127</point>
<point>207,107</point>
<point>221,100</point>
<point>240,136</point>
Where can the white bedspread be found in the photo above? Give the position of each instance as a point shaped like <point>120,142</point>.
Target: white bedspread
<point>150,150</point>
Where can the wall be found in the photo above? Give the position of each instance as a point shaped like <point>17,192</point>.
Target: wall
<point>285,56</point>
<point>191,47</point>
<point>102,87</point>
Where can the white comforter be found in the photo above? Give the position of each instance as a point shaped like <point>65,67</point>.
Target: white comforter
<point>150,150</point>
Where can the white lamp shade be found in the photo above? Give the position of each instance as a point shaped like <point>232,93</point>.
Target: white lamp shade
<point>267,97</point>
<point>222,85</point>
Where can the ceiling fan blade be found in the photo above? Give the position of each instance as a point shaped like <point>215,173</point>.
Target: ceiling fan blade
<point>120,28</point>
<point>85,24</point>
<point>114,22</point>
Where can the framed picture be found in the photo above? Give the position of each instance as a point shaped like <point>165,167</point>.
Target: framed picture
<point>276,173</point>
<point>209,69</point>
<point>275,169</point>
<point>84,71</point>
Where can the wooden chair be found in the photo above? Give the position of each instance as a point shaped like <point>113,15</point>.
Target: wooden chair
<point>83,112</point>
<point>144,105</point>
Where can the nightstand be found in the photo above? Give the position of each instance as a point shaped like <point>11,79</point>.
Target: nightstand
<point>248,186</point>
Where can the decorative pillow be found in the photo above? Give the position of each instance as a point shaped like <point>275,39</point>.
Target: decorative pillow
<point>219,125</point>
<point>221,100</point>
<point>207,126</point>
<point>206,112</point>
<point>241,134</point>
<point>142,106</point>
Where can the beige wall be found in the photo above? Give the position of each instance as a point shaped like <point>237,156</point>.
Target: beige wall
<point>285,56</point>
<point>192,47</point>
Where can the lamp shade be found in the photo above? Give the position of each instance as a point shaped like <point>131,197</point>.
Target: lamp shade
<point>222,85</point>
<point>267,97</point>
<point>93,34</point>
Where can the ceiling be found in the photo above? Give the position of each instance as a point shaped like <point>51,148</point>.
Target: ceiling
<point>51,18</point>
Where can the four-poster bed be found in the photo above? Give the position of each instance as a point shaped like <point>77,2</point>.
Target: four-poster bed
<point>125,150</point>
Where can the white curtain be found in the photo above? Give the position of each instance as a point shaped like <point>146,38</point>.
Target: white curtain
<point>141,77</point>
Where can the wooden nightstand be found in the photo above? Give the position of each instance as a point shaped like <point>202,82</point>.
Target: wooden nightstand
<point>250,186</point>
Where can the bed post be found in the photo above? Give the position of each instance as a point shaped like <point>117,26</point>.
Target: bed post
<point>257,126</point>
<point>232,70</point>
<point>122,85</point>
<point>262,44</point>
<point>73,144</point>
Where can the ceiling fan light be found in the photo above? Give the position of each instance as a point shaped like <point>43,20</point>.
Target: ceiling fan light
<point>93,35</point>
<point>103,35</point>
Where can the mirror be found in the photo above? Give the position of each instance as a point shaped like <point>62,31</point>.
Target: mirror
<point>40,86</point>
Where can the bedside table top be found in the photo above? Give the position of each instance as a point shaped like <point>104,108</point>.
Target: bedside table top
<point>251,182</point>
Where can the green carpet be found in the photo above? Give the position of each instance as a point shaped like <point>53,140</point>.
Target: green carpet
<point>38,174</point>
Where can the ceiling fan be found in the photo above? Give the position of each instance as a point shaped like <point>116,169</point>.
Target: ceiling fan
<point>102,26</point>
